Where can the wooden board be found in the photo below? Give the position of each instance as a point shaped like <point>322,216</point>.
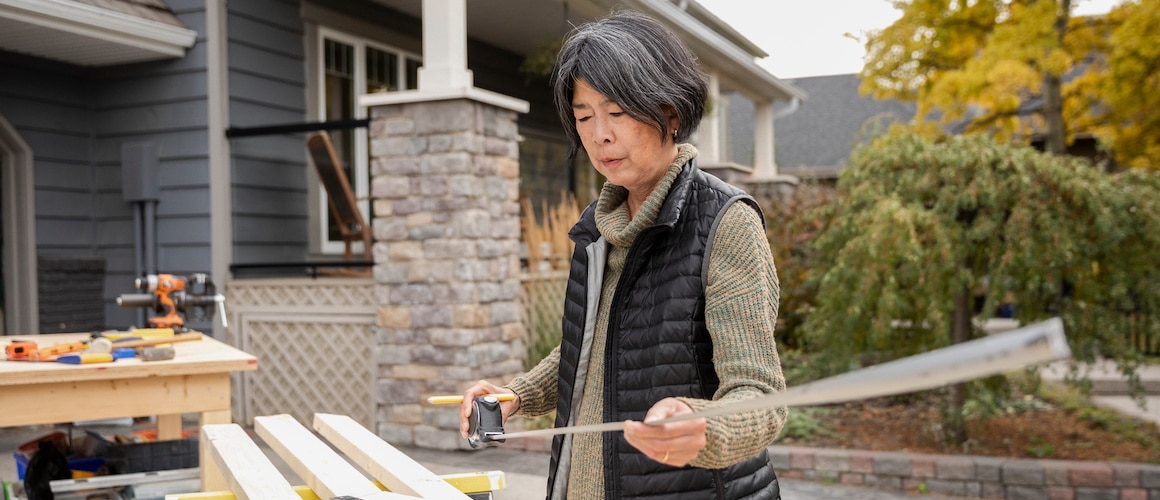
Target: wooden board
<point>389,466</point>
<point>247,471</point>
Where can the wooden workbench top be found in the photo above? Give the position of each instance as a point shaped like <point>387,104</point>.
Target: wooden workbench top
<point>193,357</point>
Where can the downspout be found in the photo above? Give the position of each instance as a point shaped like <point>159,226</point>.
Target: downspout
<point>794,103</point>
<point>217,100</point>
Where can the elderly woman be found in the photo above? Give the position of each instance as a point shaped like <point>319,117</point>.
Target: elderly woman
<point>672,294</point>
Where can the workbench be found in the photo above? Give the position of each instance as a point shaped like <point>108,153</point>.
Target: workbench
<point>196,380</point>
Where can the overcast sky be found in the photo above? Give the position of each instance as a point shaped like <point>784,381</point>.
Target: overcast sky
<point>807,37</point>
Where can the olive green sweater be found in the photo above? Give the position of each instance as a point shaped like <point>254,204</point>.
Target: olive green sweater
<point>740,311</point>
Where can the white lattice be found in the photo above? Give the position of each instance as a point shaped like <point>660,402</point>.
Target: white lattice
<point>315,345</point>
<point>345,293</point>
<point>308,366</point>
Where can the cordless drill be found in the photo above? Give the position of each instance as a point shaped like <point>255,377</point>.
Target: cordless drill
<point>171,295</point>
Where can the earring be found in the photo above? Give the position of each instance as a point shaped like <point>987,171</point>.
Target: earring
<point>674,134</point>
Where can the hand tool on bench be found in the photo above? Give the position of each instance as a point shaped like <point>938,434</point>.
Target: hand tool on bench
<point>172,295</point>
<point>1017,349</point>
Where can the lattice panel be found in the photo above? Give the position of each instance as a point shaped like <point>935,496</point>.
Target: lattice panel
<point>308,364</point>
<point>345,293</point>
<point>542,301</point>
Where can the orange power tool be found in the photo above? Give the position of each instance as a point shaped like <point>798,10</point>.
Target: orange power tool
<point>171,295</point>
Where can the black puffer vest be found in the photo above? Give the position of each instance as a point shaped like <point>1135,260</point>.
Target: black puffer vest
<point>657,346</point>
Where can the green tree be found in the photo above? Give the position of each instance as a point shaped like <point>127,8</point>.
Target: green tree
<point>923,234</point>
<point>982,62</point>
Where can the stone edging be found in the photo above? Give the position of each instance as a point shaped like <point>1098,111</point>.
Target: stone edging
<point>969,475</point>
<point>959,475</point>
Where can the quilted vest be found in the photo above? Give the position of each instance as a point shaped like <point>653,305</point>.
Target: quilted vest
<point>658,345</point>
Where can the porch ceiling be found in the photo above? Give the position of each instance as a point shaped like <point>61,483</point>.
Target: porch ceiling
<point>85,33</point>
<point>523,26</point>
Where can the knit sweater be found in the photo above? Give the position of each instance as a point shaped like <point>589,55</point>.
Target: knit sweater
<point>740,310</point>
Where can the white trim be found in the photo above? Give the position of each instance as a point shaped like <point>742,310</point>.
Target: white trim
<point>102,24</point>
<point>21,308</point>
<point>220,164</point>
<point>767,86</point>
<point>360,181</point>
<point>473,93</point>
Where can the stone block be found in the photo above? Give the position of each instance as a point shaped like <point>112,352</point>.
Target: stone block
<point>439,439</point>
<point>1060,493</point>
<point>393,317</point>
<point>1016,492</point>
<point>852,479</point>
<point>407,414</point>
<point>431,316</point>
<point>435,117</point>
<point>1093,474</point>
<point>989,469</point>
<point>1023,472</point>
<point>410,294</point>
<point>883,481</point>
<point>400,166</point>
<point>1086,493</point>
<point>470,316</point>
<point>1056,472</point>
<point>464,185</point>
<point>923,466</point>
<point>1126,474</point>
<point>404,251</point>
<point>415,372</point>
<point>955,467</point>
<point>446,163</point>
<point>453,337</point>
<point>434,355</point>
<point>394,392</point>
<point>432,185</point>
<point>439,143</point>
<point>832,459</point>
<point>894,464</point>
<point>802,458</point>
<point>861,461</point>
<point>396,434</point>
<point>386,229</point>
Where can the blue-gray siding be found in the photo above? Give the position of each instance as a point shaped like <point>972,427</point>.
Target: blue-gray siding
<point>268,87</point>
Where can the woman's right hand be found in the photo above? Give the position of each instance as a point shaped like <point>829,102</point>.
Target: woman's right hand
<point>507,408</point>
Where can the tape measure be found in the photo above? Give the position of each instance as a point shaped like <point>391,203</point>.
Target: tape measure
<point>1031,345</point>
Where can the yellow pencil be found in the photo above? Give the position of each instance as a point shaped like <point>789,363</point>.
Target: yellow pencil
<point>447,400</point>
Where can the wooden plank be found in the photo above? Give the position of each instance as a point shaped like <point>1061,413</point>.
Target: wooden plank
<point>323,470</point>
<point>394,469</point>
<point>212,478</point>
<point>248,472</point>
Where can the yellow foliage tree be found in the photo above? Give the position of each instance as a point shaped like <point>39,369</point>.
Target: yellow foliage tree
<point>1120,90</point>
<point>994,66</point>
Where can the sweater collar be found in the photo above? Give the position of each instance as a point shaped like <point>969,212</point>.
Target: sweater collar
<point>612,219</point>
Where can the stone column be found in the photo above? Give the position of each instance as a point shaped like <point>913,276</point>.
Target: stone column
<point>445,184</point>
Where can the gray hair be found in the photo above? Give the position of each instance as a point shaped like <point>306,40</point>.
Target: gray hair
<point>640,65</point>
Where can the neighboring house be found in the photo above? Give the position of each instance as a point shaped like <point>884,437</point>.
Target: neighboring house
<point>814,138</point>
<point>167,136</point>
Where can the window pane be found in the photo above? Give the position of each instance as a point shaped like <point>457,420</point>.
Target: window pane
<point>413,73</point>
<point>382,71</point>
<point>339,105</point>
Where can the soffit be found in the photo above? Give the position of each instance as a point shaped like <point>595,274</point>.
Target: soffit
<point>93,32</point>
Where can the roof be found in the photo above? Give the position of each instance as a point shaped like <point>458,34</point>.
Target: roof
<point>93,32</point>
<point>816,139</point>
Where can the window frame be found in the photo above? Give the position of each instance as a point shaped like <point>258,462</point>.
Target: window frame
<point>360,169</point>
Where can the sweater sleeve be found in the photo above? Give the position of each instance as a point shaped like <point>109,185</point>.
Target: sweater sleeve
<point>741,302</point>
<point>537,387</point>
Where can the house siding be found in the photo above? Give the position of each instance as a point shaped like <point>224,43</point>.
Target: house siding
<point>267,86</point>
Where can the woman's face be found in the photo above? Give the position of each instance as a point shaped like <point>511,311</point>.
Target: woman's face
<point>628,152</point>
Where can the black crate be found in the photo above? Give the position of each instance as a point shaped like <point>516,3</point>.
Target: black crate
<point>151,456</point>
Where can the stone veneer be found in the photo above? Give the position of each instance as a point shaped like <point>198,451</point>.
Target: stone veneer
<point>444,187</point>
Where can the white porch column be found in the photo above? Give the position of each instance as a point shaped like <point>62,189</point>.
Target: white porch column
<point>444,46</point>
<point>764,166</point>
<point>709,133</point>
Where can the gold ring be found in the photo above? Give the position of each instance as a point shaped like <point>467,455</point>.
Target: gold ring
<point>666,457</point>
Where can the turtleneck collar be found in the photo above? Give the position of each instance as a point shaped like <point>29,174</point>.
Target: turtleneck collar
<point>612,218</point>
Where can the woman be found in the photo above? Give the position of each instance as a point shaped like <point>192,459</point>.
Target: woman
<point>672,293</point>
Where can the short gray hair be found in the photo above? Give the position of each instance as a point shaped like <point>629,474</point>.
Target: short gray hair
<point>640,65</point>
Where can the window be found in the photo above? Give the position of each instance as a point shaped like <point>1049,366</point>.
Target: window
<point>352,66</point>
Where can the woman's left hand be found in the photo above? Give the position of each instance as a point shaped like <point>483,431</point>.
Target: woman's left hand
<point>674,443</point>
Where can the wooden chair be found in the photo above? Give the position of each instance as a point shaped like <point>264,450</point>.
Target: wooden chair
<point>340,197</point>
